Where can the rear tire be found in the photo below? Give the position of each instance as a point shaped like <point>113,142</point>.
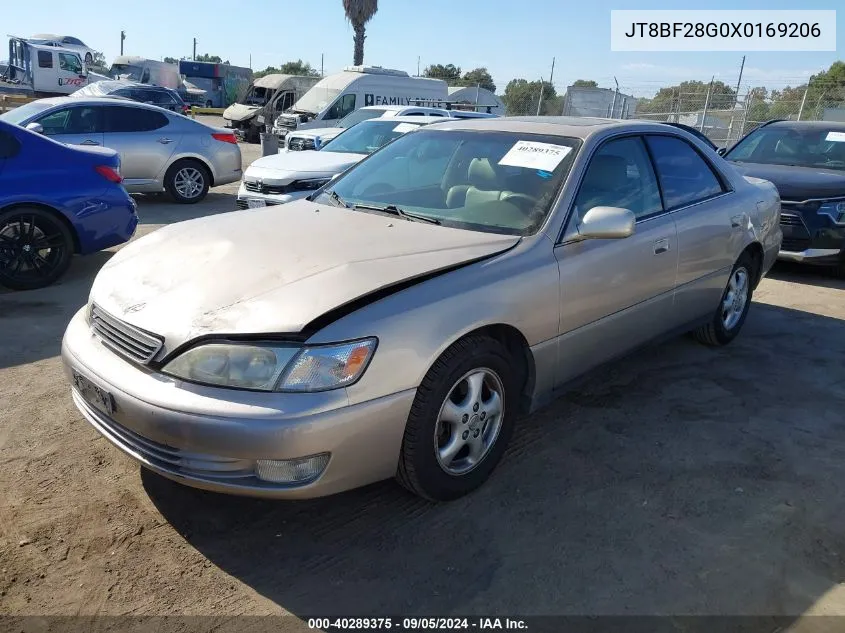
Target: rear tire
<point>733,307</point>
<point>483,423</point>
<point>187,181</point>
<point>36,248</point>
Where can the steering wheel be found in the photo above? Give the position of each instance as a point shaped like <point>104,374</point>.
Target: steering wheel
<point>523,201</point>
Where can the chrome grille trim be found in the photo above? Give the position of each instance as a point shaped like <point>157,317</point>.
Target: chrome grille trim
<point>791,219</point>
<point>127,340</point>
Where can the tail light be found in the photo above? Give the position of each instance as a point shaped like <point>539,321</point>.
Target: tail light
<point>226,137</point>
<point>109,173</point>
<point>185,108</point>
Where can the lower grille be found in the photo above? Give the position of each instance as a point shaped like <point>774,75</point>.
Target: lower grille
<point>243,204</point>
<point>174,460</point>
<point>791,219</point>
<point>795,244</point>
<point>125,339</point>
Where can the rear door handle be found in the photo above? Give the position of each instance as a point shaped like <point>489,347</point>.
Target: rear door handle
<point>89,142</point>
<point>165,140</point>
<point>661,246</point>
<point>736,222</point>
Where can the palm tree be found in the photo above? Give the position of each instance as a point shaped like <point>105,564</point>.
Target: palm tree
<point>359,12</point>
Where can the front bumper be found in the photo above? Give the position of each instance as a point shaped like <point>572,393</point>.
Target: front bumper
<point>244,196</point>
<point>210,438</point>
<point>810,238</point>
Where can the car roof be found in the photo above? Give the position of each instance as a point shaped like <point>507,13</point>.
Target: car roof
<point>60,101</point>
<point>397,108</point>
<point>577,127</point>
<point>420,120</point>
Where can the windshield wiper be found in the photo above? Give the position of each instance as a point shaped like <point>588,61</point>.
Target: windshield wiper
<point>393,209</point>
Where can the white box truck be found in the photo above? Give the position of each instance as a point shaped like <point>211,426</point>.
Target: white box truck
<point>335,96</point>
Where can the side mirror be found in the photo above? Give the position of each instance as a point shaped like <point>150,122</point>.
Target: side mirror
<point>607,223</point>
<point>722,151</point>
<point>35,127</point>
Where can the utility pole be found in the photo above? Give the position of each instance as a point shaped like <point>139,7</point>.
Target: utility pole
<point>803,101</point>
<point>322,60</point>
<point>542,86</point>
<point>122,37</point>
<point>250,61</point>
<point>195,50</point>
<point>739,81</point>
<point>418,65</point>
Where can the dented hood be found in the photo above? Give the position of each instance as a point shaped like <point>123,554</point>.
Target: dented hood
<point>240,112</point>
<point>272,270</point>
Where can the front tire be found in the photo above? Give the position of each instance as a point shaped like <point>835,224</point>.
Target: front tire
<point>461,420</point>
<point>733,307</point>
<point>36,248</point>
<point>187,181</point>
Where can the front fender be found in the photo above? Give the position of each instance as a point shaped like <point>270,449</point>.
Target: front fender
<point>415,325</point>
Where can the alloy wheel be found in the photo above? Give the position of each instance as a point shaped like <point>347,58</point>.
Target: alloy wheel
<point>735,299</point>
<point>469,421</point>
<point>189,182</point>
<point>31,248</point>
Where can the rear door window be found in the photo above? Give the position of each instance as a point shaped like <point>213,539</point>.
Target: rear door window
<point>685,177</point>
<point>120,119</point>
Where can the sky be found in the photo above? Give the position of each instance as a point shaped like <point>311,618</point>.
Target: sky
<point>512,38</point>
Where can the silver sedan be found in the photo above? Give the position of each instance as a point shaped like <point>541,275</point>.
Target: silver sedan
<point>400,321</point>
<point>159,150</point>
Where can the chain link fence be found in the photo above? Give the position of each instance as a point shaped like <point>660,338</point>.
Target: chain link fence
<point>723,116</point>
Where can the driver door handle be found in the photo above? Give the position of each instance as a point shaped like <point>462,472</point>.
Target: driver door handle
<point>661,246</point>
<point>164,140</point>
<point>89,142</point>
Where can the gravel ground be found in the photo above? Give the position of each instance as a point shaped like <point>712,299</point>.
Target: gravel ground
<point>684,480</point>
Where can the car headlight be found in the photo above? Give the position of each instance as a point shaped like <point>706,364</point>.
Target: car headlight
<point>274,366</point>
<point>836,211</point>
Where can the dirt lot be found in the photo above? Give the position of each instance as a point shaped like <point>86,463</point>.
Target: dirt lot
<point>685,480</point>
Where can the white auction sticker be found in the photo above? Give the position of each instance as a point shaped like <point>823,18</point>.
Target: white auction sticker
<point>533,155</point>
<point>836,137</point>
<point>405,127</point>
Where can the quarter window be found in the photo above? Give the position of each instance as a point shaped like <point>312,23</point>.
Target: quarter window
<point>45,59</point>
<point>684,175</point>
<point>620,175</point>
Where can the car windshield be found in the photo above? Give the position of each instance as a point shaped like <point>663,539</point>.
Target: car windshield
<point>126,71</point>
<point>22,113</point>
<point>98,88</point>
<point>368,136</point>
<point>316,100</point>
<point>358,116</point>
<point>815,146</point>
<point>257,95</point>
<point>495,182</point>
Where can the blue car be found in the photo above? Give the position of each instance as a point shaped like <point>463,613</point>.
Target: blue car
<point>56,200</point>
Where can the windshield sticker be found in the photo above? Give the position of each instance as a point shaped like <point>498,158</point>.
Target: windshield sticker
<point>405,127</point>
<point>542,156</point>
<point>836,137</point>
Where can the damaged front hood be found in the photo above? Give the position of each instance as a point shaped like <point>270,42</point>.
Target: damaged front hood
<point>287,166</point>
<point>240,112</point>
<point>272,270</point>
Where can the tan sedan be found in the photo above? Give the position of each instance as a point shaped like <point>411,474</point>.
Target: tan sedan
<point>399,321</point>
